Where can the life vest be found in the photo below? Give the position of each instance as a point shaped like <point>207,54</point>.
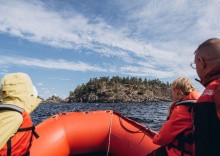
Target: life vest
<point>206,122</point>
<point>184,141</point>
<point>19,144</point>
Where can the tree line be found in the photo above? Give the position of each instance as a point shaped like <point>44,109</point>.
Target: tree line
<point>95,84</point>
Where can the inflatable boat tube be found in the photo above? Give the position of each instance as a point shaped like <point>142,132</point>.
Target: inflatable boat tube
<point>92,133</point>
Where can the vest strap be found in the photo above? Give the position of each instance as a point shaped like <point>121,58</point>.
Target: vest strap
<point>25,129</point>
<point>29,129</point>
<point>11,107</point>
<point>182,140</point>
<point>185,102</point>
<point>9,147</point>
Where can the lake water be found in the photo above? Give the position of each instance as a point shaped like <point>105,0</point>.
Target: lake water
<point>151,114</point>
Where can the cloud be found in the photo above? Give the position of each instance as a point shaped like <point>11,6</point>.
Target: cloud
<point>50,64</point>
<point>40,84</point>
<point>150,37</point>
<point>73,31</point>
<point>3,71</point>
<point>174,24</point>
<point>58,78</point>
<point>149,69</point>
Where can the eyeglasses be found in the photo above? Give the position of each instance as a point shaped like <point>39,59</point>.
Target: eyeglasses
<point>193,65</point>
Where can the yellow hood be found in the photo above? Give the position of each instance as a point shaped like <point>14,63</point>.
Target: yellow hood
<point>17,89</point>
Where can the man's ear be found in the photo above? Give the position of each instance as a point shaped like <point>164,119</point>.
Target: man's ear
<point>201,62</point>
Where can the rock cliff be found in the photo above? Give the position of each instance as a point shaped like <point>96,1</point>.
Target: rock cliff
<point>119,89</point>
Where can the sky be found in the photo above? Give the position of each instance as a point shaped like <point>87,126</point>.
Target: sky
<point>61,44</point>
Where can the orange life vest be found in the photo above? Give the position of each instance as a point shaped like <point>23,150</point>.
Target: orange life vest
<point>19,144</point>
<point>184,140</point>
<point>176,133</point>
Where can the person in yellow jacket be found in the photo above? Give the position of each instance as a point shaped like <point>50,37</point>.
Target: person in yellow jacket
<point>17,91</point>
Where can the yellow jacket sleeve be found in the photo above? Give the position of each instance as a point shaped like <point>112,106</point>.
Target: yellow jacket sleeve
<point>10,121</point>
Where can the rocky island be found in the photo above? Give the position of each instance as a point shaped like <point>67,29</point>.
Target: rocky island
<point>117,89</point>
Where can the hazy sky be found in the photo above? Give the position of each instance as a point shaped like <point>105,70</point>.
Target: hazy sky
<point>62,44</point>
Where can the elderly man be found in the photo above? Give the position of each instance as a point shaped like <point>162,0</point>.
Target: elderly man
<point>207,109</point>
<point>18,101</point>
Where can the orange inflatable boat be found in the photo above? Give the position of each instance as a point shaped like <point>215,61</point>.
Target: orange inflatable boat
<point>92,133</point>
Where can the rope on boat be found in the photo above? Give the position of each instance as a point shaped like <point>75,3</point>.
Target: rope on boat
<point>110,131</point>
<point>139,130</point>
